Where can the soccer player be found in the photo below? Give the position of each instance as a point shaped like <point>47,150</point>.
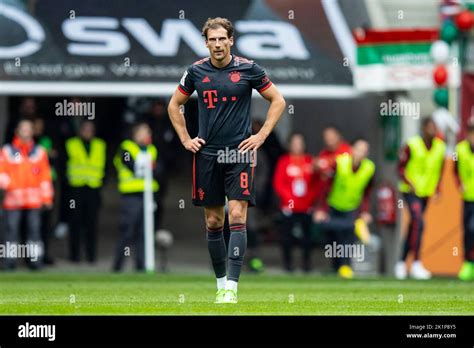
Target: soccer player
<point>224,84</point>
<point>420,168</point>
<point>464,171</point>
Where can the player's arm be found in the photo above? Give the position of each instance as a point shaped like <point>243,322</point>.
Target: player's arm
<point>179,123</point>
<point>277,106</point>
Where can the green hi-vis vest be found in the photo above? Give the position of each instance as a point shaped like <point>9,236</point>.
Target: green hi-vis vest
<point>466,169</point>
<point>424,167</point>
<point>348,186</point>
<point>85,169</point>
<point>128,183</point>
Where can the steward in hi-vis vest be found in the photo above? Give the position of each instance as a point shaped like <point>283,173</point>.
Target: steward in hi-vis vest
<point>85,171</point>
<point>349,186</point>
<point>420,169</point>
<point>130,162</point>
<point>423,169</point>
<point>128,181</point>
<point>86,162</point>
<point>344,208</point>
<point>464,172</point>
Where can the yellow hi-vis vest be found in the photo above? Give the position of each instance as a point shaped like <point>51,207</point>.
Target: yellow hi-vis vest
<point>466,169</point>
<point>127,182</point>
<point>85,169</point>
<point>348,186</point>
<point>424,167</point>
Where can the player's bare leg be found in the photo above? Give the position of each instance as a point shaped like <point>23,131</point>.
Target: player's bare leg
<point>237,246</point>
<point>215,242</point>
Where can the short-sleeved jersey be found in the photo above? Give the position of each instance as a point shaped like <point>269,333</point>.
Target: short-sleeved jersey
<point>224,97</point>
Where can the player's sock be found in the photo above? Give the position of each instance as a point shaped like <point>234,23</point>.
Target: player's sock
<point>231,285</point>
<point>237,247</point>
<point>218,253</point>
<point>221,282</point>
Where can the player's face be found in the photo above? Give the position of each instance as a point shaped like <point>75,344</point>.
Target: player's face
<point>219,44</point>
<point>360,150</point>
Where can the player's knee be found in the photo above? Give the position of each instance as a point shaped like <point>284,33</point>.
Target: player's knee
<point>236,216</point>
<point>214,221</point>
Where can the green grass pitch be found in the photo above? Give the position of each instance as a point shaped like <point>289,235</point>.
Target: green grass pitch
<point>180,294</point>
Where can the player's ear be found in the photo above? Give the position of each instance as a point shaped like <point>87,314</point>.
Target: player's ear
<point>231,41</point>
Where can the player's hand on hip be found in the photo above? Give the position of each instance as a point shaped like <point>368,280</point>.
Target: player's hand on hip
<point>194,145</point>
<point>251,143</point>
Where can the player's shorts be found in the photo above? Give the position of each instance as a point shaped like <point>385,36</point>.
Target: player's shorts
<point>213,181</point>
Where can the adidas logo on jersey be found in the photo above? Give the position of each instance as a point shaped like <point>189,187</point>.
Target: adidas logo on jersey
<point>206,79</point>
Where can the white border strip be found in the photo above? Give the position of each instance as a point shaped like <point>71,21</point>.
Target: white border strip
<point>156,89</point>
<point>340,29</point>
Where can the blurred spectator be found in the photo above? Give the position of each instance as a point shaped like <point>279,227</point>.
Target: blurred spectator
<point>46,215</point>
<point>344,207</point>
<point>420,168</point>
<point>464,173</point>
<point>86,159</point>
<point>294,185</point>
<point>334,146</point>
<point>325,161</point>
<point>272,150</point>
<point>130,161</point>
<point>28,108</point>
<point>25,175</point>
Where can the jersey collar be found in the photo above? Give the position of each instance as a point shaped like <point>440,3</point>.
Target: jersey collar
<point>224,67</point>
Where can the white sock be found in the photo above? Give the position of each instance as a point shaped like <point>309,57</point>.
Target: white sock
<point>231,285</point>
<point>221,283</point>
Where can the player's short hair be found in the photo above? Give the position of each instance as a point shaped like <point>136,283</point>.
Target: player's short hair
<point>218,22</point>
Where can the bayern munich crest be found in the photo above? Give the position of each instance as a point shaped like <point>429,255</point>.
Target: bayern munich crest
<point>234,76</point>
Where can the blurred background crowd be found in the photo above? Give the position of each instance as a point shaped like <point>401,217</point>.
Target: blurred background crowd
<point>379,94</point>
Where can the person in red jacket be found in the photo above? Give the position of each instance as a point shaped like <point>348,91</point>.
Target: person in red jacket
<point>325,161</point>
<point>335,145</point>
<point>25,176</point>
<point>293,182</point>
